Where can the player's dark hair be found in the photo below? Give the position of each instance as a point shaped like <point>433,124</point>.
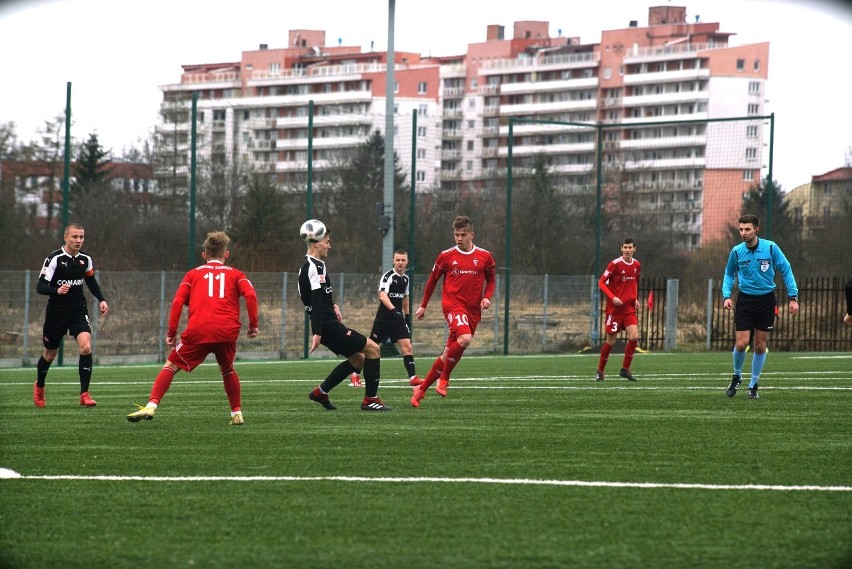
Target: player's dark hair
<point>749,218</point>
<point>462,222</point>
<point>400,252</point>
<point>628,241</point>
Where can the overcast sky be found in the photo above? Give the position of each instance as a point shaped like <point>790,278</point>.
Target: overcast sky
<point>116,54</point>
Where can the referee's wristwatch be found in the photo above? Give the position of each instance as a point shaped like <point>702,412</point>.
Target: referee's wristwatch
<point>794,299</point>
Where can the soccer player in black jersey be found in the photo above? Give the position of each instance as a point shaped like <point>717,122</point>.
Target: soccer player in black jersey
<point>62,277</point>
<point>393,318</point>
<point>328,329</point>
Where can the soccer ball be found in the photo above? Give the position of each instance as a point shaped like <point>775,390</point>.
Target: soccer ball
<point>312,230</point>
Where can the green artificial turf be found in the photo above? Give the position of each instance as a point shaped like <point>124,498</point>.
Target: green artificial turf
<point>527,463</point>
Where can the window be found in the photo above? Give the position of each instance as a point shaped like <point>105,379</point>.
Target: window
<point>757,65</point>
<point>421,88</point>
<point>471,123</point>
<point>274,68</point>
<point>740,64</point>
<point>607,73</point>
<point>474,83</point>
<point>421,131</point>
<point>471,104</point>
<point>754,87</point>
<point>423,109</point>
<point>748,175</point>
<point>421,176</point>
<point>468,165</point>
<point>751,131</point>
<point>470,145</point>
<point>753,109</point>
<point>421,153</point>
<point>751,153</point>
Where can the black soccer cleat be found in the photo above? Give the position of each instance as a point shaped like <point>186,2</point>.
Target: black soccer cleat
<point>625,373</point>
<point>735,384</point>
<point>322,399</point>
<point>752,393</point>
<point>599,376</point>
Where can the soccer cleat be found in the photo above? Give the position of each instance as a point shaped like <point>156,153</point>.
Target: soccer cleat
<point>415,380</point>
<point>321,398</point>
<point>625,373</point>
<point>441,388</point>
<point>374,404</point>
<point>732,389</point>
<point>417,396</point>
<point>237,419</point>
<point>146,413</point>
<point>599,376</point>
<point>752,393</point>
<point>354,380</point>
<point>86,400</point>
<point>38,395</point>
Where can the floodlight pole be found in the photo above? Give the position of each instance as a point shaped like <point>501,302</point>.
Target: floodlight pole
<point>387,215</point>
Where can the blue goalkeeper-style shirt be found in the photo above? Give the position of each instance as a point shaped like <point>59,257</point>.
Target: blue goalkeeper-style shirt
<point>754,269</point>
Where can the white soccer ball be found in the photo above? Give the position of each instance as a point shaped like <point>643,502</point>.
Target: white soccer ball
<point>312,230</point>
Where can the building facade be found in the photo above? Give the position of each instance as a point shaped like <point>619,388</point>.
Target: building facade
<point>826,198</point>
<point>643,106</point>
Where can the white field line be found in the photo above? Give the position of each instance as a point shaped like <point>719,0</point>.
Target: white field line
<point>491,382</point>
<point>409,480</point>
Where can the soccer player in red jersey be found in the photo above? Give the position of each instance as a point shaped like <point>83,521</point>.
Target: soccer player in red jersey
<point>620,284</point>
<point>212,292</point>
<point>468,284</point>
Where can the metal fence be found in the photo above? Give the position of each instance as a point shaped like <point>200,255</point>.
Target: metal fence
<point>549,314</point>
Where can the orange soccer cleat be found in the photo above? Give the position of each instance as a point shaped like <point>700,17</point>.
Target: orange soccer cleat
<point>86,400</point>
<point>38,395</point>
<point>441,389</point>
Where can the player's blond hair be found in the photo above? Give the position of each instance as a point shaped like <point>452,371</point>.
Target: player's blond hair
<point>216,244</point>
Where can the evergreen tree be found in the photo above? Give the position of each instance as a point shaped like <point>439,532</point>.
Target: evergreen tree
<point>91,169</point>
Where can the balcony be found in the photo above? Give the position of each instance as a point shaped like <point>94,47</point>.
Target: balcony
<point>548,86</point>
<point>666,98</point>
<point>572,60</point>
<point>666,76</point>
<point>548,107</point>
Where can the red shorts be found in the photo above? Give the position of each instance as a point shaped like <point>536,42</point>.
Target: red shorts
<point>460,323</point>
<point>618,321</point>
<point>188,356</point>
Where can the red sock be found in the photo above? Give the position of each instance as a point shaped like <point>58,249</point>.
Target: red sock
<point>629,350</point>
<point>161,385</point>
<point>433,375</point>
<point>605,350</point>
<point>232,388</point>
<point>454,354</point>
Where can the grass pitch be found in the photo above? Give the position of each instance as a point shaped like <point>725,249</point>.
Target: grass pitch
<point>527,463</point>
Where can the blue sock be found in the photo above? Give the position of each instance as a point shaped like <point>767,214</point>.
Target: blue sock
<point>757,362</point>
<point>739,359</point>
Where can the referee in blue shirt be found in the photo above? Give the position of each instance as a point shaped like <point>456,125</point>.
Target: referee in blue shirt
<point>753,264</point>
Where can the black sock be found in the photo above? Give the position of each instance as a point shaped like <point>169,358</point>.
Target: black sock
<point>42,366</point>
<point>338,374</point>
<point>372,371</point>
<point>85,368</point>
<point>408,362</point>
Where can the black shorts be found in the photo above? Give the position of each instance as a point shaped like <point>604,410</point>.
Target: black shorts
<point>341,340</point>
<point>56,327</point>
<point>393,330</point>
<point>755,312</point>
